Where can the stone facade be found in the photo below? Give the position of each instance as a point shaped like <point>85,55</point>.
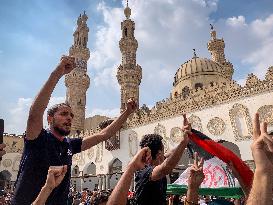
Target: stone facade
<point>215,104</point>
<point>11,160</point>
<point>77,81</point>
<point>129,73</point>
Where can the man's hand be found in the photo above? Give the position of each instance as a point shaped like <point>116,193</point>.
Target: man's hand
<point>142,158</point>
<point>131,105</point>
<point>2,152</point>
<point>55,176</point>
<point>186,128</point>
<point>196,173</point>
<point>66,65</point>
<point>262,146</point>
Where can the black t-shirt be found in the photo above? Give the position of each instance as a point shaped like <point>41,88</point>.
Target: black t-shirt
<point>46,150</point>
<point>149,192</point>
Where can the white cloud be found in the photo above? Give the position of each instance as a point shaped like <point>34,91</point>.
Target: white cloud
<point>162,29</point>
<point>236,21</point>
<point>18,114</point>
<point>263,28</point>
<point>17,119</point>
<point>252,42</point>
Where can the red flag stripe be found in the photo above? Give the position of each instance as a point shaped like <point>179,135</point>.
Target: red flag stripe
<point>226,156</point>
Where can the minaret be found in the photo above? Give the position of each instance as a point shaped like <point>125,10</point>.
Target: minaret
<point>217,49</point>
<point>77,81</point>
<point>129,73</point>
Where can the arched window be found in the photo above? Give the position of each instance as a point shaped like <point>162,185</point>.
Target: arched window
<point>185,91</point>
<point>115,166</point>
<point>90,169</point>
<point>198,85</point>
<point>125,32</point>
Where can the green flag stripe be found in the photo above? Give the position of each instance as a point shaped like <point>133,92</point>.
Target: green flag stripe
<point>227,192</point>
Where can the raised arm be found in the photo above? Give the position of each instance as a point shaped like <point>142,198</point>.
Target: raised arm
<point>36,112</point>
<point>195,180</point>
<point>262,152</point>
<point>174,156</point>
<point>119,194</point>
<point>54,178</point>
<point>110,130</point>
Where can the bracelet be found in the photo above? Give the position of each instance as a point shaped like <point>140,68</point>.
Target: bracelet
<point>190,202</point>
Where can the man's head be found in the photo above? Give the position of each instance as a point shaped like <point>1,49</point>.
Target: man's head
<point>105,123</point>
<point>59,118</point>
<point>154,142</point>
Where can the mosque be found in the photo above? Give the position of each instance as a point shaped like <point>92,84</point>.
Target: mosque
<point>203,88</point>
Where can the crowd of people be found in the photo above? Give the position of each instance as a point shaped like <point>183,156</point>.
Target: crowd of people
<point>45,168</point>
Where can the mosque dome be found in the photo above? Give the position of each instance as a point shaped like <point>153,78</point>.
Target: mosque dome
<point>197,73</point>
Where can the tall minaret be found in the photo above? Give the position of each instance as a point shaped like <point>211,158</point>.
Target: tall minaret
<point>129,73</point>
<point>217,49</point>
<point>77,81</point>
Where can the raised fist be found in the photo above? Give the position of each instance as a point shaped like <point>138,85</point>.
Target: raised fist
<point>142,158</point>
<point>66,65</point>
<point>131,105</point>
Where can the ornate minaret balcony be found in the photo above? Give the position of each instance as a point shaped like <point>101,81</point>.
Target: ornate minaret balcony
<point>216,48</point>
<point>129,73</point>
<point>78,81</point>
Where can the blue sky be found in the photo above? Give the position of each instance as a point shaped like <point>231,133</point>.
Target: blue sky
<point>35,33</point>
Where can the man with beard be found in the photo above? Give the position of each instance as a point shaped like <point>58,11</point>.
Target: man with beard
<point>45,148</point>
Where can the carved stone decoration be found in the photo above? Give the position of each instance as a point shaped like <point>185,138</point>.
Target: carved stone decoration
<point>113,143</point>
<point>216,126</point>
<point>90,153</point>
<point>176,134</point>
<point>165,142</point>
<point>78,81</point>
<point>7,163</point>
<point>195,122</point>
<point>239,111</point>
<point>79,158</point>
<point>99,152</point>
<point>133,143</point>
<point>266,114</point>
<point>160,130</point>
<point>101,167</point>
<point>269,74</point>
<point>16,163</point>
<point>252,80</point>
<point>81,162</point>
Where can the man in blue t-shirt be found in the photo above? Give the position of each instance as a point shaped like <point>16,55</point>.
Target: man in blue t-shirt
<point>45,148</point>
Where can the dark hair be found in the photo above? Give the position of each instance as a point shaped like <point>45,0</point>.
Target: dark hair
<point>105,123</point>
<point>153,141</point>
<point>53,109</point>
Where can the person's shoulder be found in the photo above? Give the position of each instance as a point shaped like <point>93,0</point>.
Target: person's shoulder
<point>146,171</point>
<point>39,139</point>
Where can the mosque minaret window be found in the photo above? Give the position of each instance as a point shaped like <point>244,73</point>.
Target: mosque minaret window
<point>185,91</point>
<point>198,85</point>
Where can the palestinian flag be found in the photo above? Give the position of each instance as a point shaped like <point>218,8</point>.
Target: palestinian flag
<point>218,181</point>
